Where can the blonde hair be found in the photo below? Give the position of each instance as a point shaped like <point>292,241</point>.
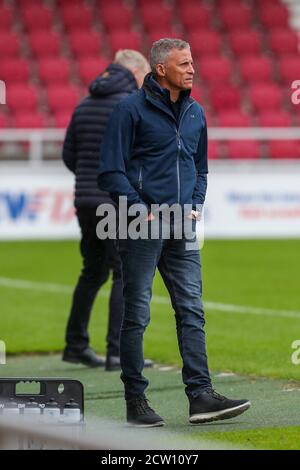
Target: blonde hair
<point>132,59</point>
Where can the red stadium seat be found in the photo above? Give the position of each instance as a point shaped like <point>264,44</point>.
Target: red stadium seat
<point>284,41</point>
<point>62,98</point>
<point>125,40</point>
<point>75,17</point>
<point>45,43</point>
<point>14,70</point>
<point>245,42</point>
<point>62,119</point>
<point>290,68</point>
<point>157,34</point>
<point>4,121</point>
<point>256,69</point>
<point>274,16</point>
<point>243,149</point>
<point>90,68</point>
<point>85,43</point>
<point>37,17</point>
<point>236,17</point>
<point>156,3</point>
<point>284,149</point>
<point>247,27</point>
<point>54,70</point>
<point>30,121</point>
<point>204,43</point>
<point>215,69</point>
<point>186,3</point>
<point>264,3</point>
<point>9,45</point>
<point>196,93</point>
<point>266,97</point>
<point>24,4</point>
<point>22,97</point>
<point>156,18</point>
<point>115,17</point>
<point>275,119</point>
<point>221,4</point>
<point>6,18</point>
<point>225,97</point>
<point>64,3</point>
<point>195,17</point>
<point>234,119</point>
<point>214,150</point>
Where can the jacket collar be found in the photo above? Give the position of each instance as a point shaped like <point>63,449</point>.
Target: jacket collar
<point>160,97</point>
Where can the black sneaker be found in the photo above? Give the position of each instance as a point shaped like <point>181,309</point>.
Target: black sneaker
<point>113,363</point>
<point>88,357</point>
<point>210,406</point>
<point>140,414</point>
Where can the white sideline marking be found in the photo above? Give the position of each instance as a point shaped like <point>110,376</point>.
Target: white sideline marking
<point>30,285</point>
<point>61,289</point>
<point>165,368</point>
<point>225,374</point>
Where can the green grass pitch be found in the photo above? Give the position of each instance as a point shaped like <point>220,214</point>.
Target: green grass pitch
<point>251,292</point>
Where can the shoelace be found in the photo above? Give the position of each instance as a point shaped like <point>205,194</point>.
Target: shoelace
<point>141,406</point>
<point>215,394</point>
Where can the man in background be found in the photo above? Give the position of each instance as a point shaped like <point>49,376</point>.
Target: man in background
<point>81,155</point>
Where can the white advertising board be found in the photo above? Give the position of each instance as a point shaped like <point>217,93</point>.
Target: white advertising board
<point>37,207</point>
<point>253,205</point>
<point>238,205</point>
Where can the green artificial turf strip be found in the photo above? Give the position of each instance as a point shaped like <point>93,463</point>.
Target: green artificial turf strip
<point>263,439</point>
<point>258,273</point>
<point>271,422</point>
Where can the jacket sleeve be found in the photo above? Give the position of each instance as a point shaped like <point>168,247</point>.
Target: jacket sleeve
<point>115,152</point>
<point>69,147</point>
<point>201,168</point>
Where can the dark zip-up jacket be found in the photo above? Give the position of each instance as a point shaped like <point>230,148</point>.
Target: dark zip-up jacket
<point>150,156</point>
<point>86,129</point>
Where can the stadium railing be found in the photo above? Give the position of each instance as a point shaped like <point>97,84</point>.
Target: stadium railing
<point>36,139</point>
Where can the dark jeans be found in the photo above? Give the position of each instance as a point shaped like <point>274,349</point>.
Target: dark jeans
<point>99,258</point>
<point>181,271</point>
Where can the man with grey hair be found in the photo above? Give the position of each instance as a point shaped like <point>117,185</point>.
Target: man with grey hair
<point>155,152</point>
<point>81,155</point>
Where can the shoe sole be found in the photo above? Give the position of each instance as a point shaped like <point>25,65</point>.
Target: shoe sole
<point>154,425</point>
<point>76,361</point>
<point>219,415</point>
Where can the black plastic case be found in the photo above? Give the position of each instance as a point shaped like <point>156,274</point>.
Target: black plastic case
<point>61,390</point>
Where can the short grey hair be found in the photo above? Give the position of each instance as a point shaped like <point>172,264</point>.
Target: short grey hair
<point>161,49</point>
<point>131,59</point>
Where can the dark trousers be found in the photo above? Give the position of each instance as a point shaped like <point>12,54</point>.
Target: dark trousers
<point>181,271</point>
<point>99,258</point>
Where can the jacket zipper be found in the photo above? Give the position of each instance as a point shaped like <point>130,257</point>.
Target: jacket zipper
<point>140,182</point>
<point>179,150</point>
<point>177,165</point>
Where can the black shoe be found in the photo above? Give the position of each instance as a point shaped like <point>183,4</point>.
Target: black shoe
<point>113,363</point>
<point>210,406</point>
<point>88,357</point>
<point>140,414</point>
